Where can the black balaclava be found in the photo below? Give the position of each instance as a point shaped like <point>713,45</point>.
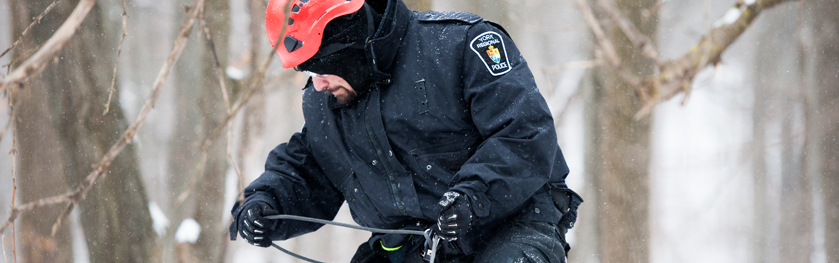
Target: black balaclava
<point>342,53</point>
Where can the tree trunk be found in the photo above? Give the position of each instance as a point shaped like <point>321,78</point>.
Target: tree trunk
<point>793,200</point>
<point>115,217</point>
<point>823,116</point>
<point>210,194</point>
<point>200,110</point>
<point>623,148</point>
<point>766,87</point>
<point>39,163</point>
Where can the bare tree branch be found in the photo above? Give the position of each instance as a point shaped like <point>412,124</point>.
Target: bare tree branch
<point>116,62</point>
<point>12,114</point>
<point>36,64</point>
<point>31,25</point>
<point>23,57</point>
<point>677,75</point>
<point>80,192</point>
<point>57,225</point>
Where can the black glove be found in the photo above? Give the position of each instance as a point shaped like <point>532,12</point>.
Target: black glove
<point>455,216</point>
<point>252,225</point>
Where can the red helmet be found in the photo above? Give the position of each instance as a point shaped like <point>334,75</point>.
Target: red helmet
<point>305,25</point>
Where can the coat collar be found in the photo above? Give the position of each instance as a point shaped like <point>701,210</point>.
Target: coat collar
<point>384,46</point>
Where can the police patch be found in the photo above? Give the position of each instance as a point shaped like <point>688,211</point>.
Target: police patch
<point>490,47</point>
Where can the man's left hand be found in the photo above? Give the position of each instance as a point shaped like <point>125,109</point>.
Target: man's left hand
<point>455,216</point>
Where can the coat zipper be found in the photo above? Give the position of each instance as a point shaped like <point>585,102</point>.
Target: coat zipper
<point>391,179</point>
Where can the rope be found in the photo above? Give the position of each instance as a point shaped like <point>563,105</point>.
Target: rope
<point>426,234</point>
<point>295,254</point>
<point>327,222</point>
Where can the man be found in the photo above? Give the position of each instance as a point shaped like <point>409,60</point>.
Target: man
<point>417,120</point>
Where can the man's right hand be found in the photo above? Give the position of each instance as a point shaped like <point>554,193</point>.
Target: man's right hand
<point>252,225</point>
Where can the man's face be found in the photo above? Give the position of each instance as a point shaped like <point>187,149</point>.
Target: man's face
<point>336,86</point>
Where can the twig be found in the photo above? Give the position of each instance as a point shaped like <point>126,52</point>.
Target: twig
<point>605,42</point>
<point>80,192</point>
<point>224,94</point>
<point>64,215</point>
<point>116,62</point>
<point>255,84</point>
<point>13,152</point>
<point>25,31</point>
<point>609,50</point>
<point>36,64</point>
<point>22,57</point>
<point>12,115</point>
<point>635,36</point>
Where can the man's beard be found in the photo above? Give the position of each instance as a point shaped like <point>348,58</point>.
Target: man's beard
<point>348,97</point>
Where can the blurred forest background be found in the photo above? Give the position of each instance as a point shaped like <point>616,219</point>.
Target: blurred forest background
<point>744,169</point>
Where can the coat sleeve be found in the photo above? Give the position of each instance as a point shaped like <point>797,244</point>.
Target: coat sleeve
<point>520,150</point>
<point>294,184</point>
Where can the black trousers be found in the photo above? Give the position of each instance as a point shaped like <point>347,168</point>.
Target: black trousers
<point>515,241</point>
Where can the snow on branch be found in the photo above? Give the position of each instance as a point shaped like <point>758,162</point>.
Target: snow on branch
<point>81,191</point>
<point>674,76</point>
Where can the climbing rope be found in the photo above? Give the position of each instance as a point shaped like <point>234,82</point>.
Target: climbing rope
<point>429,237</point>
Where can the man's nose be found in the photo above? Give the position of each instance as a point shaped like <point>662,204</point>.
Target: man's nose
<point>319,84</point>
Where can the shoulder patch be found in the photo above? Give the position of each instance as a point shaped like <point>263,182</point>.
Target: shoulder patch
<point>456,16</point>
<point>489,46</point>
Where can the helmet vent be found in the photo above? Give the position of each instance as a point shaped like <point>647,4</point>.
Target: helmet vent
<point>290,21</point>
<point>291,43</point>
<point>295,9</point>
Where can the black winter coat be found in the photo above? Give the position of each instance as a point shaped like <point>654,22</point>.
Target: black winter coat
<point>454,107</point>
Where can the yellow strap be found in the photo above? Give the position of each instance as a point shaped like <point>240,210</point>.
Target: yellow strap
<point>388,249</point>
